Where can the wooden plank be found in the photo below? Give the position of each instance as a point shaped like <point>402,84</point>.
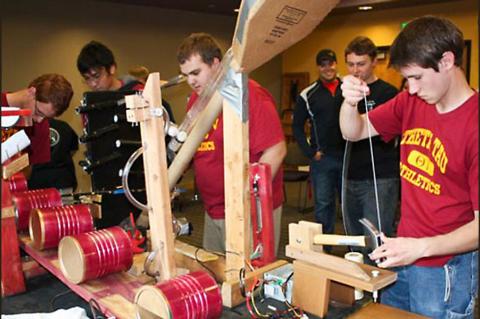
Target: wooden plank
<point>114,293</point>
<point>231,295</point>
<point>311,289</point>
<point>156,175</point>
<point>14,166</point>
<point>265,28</point>
<point>376,310</point>
<point>185,258</point>
<point>344,271</point>
<point>237,190</point>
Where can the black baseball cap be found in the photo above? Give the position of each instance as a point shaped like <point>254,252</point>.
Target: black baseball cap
<point>326,55</point>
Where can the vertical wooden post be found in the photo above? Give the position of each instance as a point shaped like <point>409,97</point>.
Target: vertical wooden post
<point>237,190</point>
<point>156,176</point>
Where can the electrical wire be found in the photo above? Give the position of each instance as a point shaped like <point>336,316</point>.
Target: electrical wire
<point>52,301</point>
<point>205,266</point>
<point>95,309</point>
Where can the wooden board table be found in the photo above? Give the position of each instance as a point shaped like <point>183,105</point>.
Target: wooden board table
<point>114,293</point>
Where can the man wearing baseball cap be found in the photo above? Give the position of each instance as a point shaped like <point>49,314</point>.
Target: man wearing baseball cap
<point>320,104</point>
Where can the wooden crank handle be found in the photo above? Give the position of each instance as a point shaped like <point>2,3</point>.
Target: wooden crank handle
<point>339,240</point>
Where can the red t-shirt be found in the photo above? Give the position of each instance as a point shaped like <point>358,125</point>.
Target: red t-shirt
<point>265,130</point>
<point>39,135</point>
<point>438,165</point>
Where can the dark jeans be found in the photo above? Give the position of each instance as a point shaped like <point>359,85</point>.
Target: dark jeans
<point>360,203</point>
<point>326,175</point>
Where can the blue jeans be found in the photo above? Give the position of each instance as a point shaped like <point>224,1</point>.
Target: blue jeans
<point>446,292</point>
<point>360,203</point>
<point>326,176</point>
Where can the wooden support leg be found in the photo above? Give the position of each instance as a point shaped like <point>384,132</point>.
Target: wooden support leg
<point>311,289</point>
<point>12,275</point>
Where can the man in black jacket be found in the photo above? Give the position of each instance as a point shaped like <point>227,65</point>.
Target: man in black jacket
<point>320,104</point>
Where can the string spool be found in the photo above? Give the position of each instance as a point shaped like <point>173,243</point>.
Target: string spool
<point>47,226</point>
<point>95,254</point>
<point>356,257</point>
<point>192,296</point>
<point>25,201</point>
<point>17,183</point>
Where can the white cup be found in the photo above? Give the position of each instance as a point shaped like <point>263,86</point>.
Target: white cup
<point>356,257</point>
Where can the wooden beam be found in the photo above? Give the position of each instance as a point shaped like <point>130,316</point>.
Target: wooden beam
<point>237,190</point>
<point>156,176</point>
<point>344,271</point>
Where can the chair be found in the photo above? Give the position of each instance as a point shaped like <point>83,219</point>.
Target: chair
<point>292,174</point>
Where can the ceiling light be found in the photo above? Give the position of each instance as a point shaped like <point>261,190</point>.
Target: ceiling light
<point>236,10</point>
<point>365,8</point>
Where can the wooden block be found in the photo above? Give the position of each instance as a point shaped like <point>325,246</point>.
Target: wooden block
<point>231,294</point>
<point>376,310</point>
<point>344,271</point>
<point>311,289</point>
<point>12,275</point>
<point>342,293</point>
<point>14,166</point>
<point>301,236</point>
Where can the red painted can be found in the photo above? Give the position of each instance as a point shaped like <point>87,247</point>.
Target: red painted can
<point>95,254</point>
<point>192,296</point>
<point>25,201</point>
<point>48,225</point>
<point>18,183</point>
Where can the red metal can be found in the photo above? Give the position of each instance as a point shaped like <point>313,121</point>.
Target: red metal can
<point>48,225</point>
<point>191,296</point>
<point>95,254</point>
<point>18,183</point>
<point>25,201</point>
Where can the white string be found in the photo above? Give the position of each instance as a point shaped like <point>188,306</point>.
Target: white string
<point>373,161</point>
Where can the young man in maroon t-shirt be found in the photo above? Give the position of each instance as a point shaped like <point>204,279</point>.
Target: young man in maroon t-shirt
<point>199,56</point>
<point>436,251</point>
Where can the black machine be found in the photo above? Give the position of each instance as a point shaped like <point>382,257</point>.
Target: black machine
<point>110,140</point>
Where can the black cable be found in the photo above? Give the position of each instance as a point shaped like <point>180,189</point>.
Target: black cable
<point>52,301</point>
<point>95,309</point>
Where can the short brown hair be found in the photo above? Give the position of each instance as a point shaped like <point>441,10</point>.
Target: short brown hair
<point>55,89</point>
<point>361,46</point>
<point>202,44</point>
<point>424,41</point>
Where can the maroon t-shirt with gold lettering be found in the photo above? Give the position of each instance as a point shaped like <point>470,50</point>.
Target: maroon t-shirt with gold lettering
<point>265,130</point>
<point>438,165</point>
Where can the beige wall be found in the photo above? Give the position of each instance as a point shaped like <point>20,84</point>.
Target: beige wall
<point>46,36</point>
<point>382,27</point>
